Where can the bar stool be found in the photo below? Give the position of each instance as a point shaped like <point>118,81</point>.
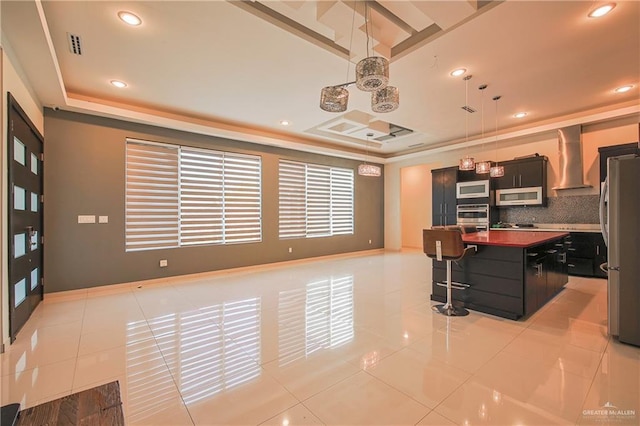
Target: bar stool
<point>446,244</point>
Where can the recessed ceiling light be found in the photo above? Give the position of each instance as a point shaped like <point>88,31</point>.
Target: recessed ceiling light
<point>623,89</point>
<point>285,122</point>
<point>129,18</point>
<point>601,10</point>
<point>520,115</point>
<point>119,84</point>
<point>458,72</point>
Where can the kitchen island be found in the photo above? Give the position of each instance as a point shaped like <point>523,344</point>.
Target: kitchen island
<point>512,274</point>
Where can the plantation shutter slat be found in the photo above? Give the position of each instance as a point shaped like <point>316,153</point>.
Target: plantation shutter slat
<point>314,200</point>
<point>152,197</point>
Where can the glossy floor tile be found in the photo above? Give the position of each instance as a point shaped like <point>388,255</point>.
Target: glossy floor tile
<point>343,340</point>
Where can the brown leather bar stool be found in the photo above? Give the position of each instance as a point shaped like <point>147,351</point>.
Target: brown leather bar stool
<point>446,244</point>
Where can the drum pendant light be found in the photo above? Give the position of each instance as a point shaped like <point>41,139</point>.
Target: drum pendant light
<point>385,100</point>
<point>366,169</point>
<point>334,99</point>
<point>372,75</point>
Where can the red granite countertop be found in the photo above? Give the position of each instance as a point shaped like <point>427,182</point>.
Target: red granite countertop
<point>522,239</point>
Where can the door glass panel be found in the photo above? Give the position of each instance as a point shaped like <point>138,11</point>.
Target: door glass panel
<point>19,151</point>
<point>19,198</point>
<point>33,242</point>
<point>34,164</point>
<point>34,279</point>
<point>20,292</point>
<point>20,245</point>
<point>34,202</point>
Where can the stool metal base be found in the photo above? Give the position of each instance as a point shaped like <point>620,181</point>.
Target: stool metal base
<point>450,310</point>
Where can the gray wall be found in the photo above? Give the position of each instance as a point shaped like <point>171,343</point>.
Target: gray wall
<point>84,174</point>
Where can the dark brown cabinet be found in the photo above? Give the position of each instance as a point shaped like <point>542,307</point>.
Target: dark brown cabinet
<point>614,151</point>
<point>586,251</point>
<point>443,187</point>
<point>535,281</point>
<point>524,173</point>
<point>545,274</point>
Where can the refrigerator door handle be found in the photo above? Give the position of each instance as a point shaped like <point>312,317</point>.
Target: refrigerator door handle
<point>603,207</point>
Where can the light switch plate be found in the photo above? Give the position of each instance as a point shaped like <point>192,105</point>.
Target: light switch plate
<point>103,219</point>
<point>85,218</point>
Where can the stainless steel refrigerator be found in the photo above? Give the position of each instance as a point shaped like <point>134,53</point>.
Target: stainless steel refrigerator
<point>620,224</point>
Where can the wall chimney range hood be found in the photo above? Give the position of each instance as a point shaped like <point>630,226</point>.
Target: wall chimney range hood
<point>570,153</point>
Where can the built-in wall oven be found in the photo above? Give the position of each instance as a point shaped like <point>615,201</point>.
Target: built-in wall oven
<point>473,214</point>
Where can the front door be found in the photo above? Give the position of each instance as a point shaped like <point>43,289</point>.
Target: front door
<point>25,216</point>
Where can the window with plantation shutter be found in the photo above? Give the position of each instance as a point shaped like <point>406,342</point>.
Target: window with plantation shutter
<point>210,197</point>
<point>341,201</point>
<point>242,198</point>
<point>152,197</point>
<point>314,200</point>
<point>201,197</point>
<point>292,200</point>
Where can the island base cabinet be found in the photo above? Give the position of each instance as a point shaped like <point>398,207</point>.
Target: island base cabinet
<point>545,276</point>
<point>509,282</point>
<point>482,301</point>
<point>535,284</point>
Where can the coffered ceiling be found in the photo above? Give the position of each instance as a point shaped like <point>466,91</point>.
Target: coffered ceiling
<point>238,68</point>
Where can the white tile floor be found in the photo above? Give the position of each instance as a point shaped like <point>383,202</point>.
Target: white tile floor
<point>346,340</point>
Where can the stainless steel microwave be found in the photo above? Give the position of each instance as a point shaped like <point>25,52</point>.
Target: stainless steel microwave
<point>474,189</point>
<point>519,196</point>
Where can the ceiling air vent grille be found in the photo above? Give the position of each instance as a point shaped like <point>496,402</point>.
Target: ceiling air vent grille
<point>395,131</point>
<point>74,44</point>
<point>468,109</point>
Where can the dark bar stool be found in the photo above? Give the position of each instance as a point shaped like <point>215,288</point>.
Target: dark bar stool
<point>446,244</point>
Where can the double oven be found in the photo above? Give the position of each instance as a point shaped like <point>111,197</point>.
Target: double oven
<point>473,204</point>
<point>473,214</point>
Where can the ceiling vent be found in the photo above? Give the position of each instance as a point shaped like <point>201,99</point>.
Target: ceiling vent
<point>395,131</point>
<point>74,44</point>
<point>357,124</point>
<point>468,109</point>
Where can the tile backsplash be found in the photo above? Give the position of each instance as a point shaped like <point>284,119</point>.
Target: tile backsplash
<point>567,209</point>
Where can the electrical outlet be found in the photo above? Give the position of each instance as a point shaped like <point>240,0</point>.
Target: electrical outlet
<point>103,219</point>
<point>86,218</point>
<point>164,263</point>
<point>369,241</point>
<point>290,250</point>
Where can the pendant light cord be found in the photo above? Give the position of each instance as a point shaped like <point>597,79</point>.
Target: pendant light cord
<point>353,20</point>
<point>466,103</point>
<point>367,22</point>
<point>482,88</point>
<point>496,98</point>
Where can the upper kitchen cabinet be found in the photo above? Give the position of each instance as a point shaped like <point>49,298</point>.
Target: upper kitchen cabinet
<point>615,151</point>
<point>524,173</point>
<point>443,182</point>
